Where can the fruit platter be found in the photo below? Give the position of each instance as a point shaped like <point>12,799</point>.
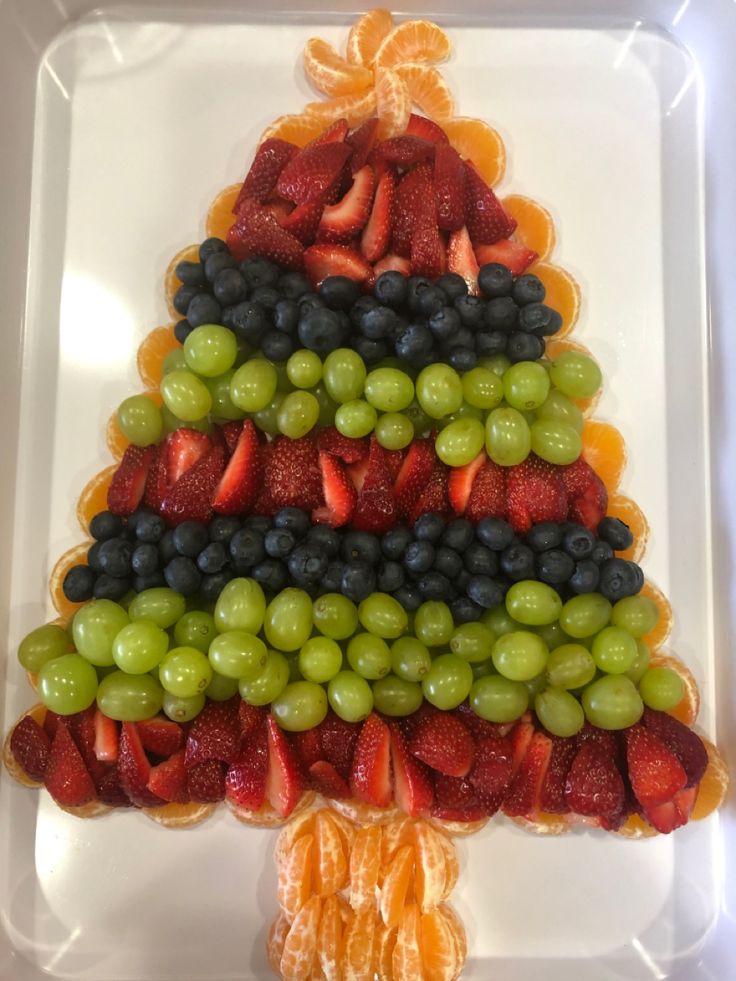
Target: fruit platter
<point>360,584</point>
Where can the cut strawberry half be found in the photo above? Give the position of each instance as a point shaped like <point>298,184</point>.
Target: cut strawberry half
<point>449,188</point>
<point>189,499</point>
<point>414,208</point>
<point>376,236</point>
<point>106,738</point>
<point>335,133</point>
<point>586,493</point>
<point>514,256</point>
<point>413,787</point>
<point>461,259</point>
<point>487,497</point>
<point>109,790</point>
<point>157,480</point>
<point>284,781</point>
<point>481,728</point>
<point>250,718</point>
<point>325,779</point>
<point>433,499</point>
<point>84,733</point>
<point>535,492</point>
<point>443,743</point>
<point>293,475</point>
<point>245,781</point>
<point>303,221</point>
<point>375,510</point>
<point>30,746</point>
<point>314,169</point>
<point>256,232</point>
<point>231,434</point>
<point>593,786</point>
<point>655,773</point>
<point>345,448</point>
<point>241,482</point>
<point>404,151</point>
<point>161,736</point>
<point>307,746</point>
<point>184,448</point>
<point>492,772</point>
<point>129,480</point>
<point>168,780</point>
<point>321,261</point>
<point>686,745</point>
<point>215,733</point>
<point>341,222</point>
<point>455,800</point>
<point>270,159</point>
<point>134,768</point>
<point>206,782</point>
<point>523,796</point>
<point>362,141</point>
<point>461,480</point>
<point>339,494</point>
<point>552,794</point>
<point>370,777</point>
<point>486,220</point>
<point>425,129</point>
<point>339,739</point>
<point>428,253</point>
<point>416,469</point>
<point>672,814</point>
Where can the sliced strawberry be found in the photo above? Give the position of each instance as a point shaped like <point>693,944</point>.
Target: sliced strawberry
<point>50,723</point>
<point>161,736</point>
<point>134,768</point>
<point>686,745</point>
<point>673,813</point>
<point>129,480</point>
<point>106,738</point>
<point>481,728</point>
<point>206,782</point>
<point>256,232</point>
<point>425,129</point>
<point>357,472</point>
<point>414,208</point>
<point>461,259</point>
<point>303,221</point>
<point>594,787</point>
<point>345,448</point>
<point>241,482</point>
<point>428,253</point>
<point>514,256</point>
<point>168,780</point>
<point>251,718</point>
<point>376,235</point>
<point>415,471</point>
<point>370,777</point>
<point>189,499</point>
<point>524,793</point>
<point>433,499</point>
<point>245,781</point>
<point>492,772</point>
<point>442,742</point>
<point>109,790</point>
<point>487,497</point>
<point>362,140</point>
<point>449,188</point>
<point>307,746</point>
<point>270,159</point>
<point>552,794</point>
<point>335,133</point>
<point>293,474</point>
<point>231,434</point>
<point>392,263</point>
<point>404,151</point>
<point>655,773</point>
<point>30,746</point>
<point>486,220</point>
<point>313,170</point>
<point>413,787</point>
<point>339,494</point>
<point>325,779</point>
<point>284,781</point>
<point>455,800</point>
<point>215,733</point>
<point>339,739</point>
<point>321,261</point>
<point>586,493</point>
<point>535,492</point>
<point>521,739</point>
<point>157,481</point>
<point>84,733</point>
<point>341,222</point>
<point>461,482</point>
<point>375,510</point>
<point>184,447</point>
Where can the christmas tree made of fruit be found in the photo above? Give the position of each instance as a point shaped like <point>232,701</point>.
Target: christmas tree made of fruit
<point>362,569</point>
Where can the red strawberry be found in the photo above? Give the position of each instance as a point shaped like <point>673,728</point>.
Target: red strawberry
<point>523,796</point>
<point>231,434</point>
<point>514,256</point>
<point>461,259</point>
<point>168,780</point>
<point>134,769</point>
<point>293,474</point>
<point>66,777</point>
<point>313,170</point>
<point>303,221</point>
<point>425,129</point>
<point>428,253</point>
<point>264,504</point>
<point>485,218</point>
<point>257,232</point>
<point>129,480</point>
<point>672,814</point>
<point>51,722</point>
<point>357,472</point>
<point>30,746</point>
<point>339,494</point>
<point>415,471</point>
<point>84,733</point>
<point>250,718</point>
<point>106,738</point>
<point>338,742</point>
<point>189,498</point>
<point>521,738</point>
<point>109,790</point>
<point>449,188</point>
<point>404,151</point>
<point>433,499</point>
<point>375,510</point>
<point>245,781</point>
<point>215,733</point>
<point>414,208</point>
<point>206,782</point>
<point>552,794</point>
<point>284,781</point>
<point>341,222</point>
<point>488,494</point>
<point>655,773</point>
<point>241,482</point>
<point>461,482</point>
<point>335,133</point>
<point>361,140</point>
<point>442,742</point>
<point>321,261</point>
<point>686,745</point>
<point>594,787</point>
<point>161,736</point>
<point>270,159</point>
<point>492,772</point>
<point>184,447</point>
<point>455,800</point>
<point>376,236</point>
<point>534,493</point>
<point>413,789</point>
<point>325,779</point>
<point>370,777</point>
<point>481,728</point>
<point>157,481</point>
<point>395,263</point>
<point>307,746</point>
<point>586,494</point>
<point>331,440</point>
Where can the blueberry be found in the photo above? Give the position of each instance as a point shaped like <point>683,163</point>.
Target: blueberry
<point>501,313</point>
<point>524,347</point>
<point>307,564</point>
<point>361,545</point>
<point>458,534</point>
<point>279,542</point>
<point>618,578</point>
<point>211,246</point>
<point>395,542</point>
<point>464,610</point>
<point>213,558</point>
<point>616,533</point>
<point>414,342</point>
<point>286,316</point>
<point>258,523</point>
<point>216,263</point>
<point>115,557</point>
<point>578,542</point>
<point>152,581</point>
<point>517,562</point>
<point>434,586</point>
<point>390,576</point>
<point>445,323</point>
<point>452,285</point>
<point>277,346</point>
<point>554,566</point>
<point>471,310</point>
<point>430,301</point>
<point>378,322</point>
<point>419,557</point>
<point>585,577</point>
<point>490,342</point>
<point>462,359</point>
<point>246,549</point>
<point>294,520</point>
<point>638,572</point>
<point>601,553</point>
<point>203,309</point>
<point>448,562</point>
<point>409,597</point>
<point>415,286</point>
<point>259,272</point>
<point>332,579</point>
<point>144,560</point>
<point>213,585</point>
<point>249,321</point>
<point>271,574</point>
<point>528,289</point>
<point>495,279</point>
<point>480,560</point>
<point>310,301</point>
<point>293,285</point>
<point>110,587</point>
<point>106,525</point>
<point>182,330</point>
<point>362,306</point>
<point>496,533</point>
<point>93,557</point>
<point>462,579</point>
<point>324,538</point>
<point>183,575</point>
<point>266,297</point>
<point>190,273</point>
<point>338,292</point>
<point>184,296</point>
<point>369,350</point>
<point>484,591</point>
<point>429,527</point>
<point>79,584</point>
<point>229,287</point>
<point>190,537</point>
<point>150,528</point>
<point>358,580</point>
<point>320,330</point>
<point>391,288</point>
<point>222,528</point>
<point>539,319</point>
<point>166,548</point>
<point>547,534</point>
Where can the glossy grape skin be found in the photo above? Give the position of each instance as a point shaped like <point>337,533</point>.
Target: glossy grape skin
<point>520,656</point>
<point>297,414</point>
<point>448,681</point>
<point>185,671</point>
<point>174,361</point>
<point>482,388</point>
<point>162,605</point>
<point>182,709</point>
<point>383,616</point>
<point>369,656</point>
<point>570,666</point>
<point>526,385</point>
<point>575,374</point>
<point>555,442</point>
<point>499,364</point>
<point>583,616</point>
<point>129,698</point>
<point>612,702</point>
<point>500,622</point>
<point>635,614</point>
<point>641,662</point>
<point>327,407</point>
<point>94,629</point>
<point>559,408</point>
<point>350,696</point>
<point>355,418</point>
<point>533,603</point>
<point>439,390</point>
<point>195,629</point>
<point>396,696</point>
<point>344,375</point>
<point>559,712</point>
<point>300,706</point>
<point>498,699</point>
<point>210,350</point>
<point>508,439</point>
<point>139,647</point>
<point>253,385</point>
<point>140,420</point>
<point>43,644</point>
<point>67,684</point>
<point>320,659</point>
<point>185,395</point>
<point>335,616</point>
<point>269,684</point>
<point>614,650</point>
<point>473,642</point>
<point>388,389</point>
<point>394,430</point>
<point>220,688</point>
<point>661,688</point>
<point>237,654</point>
<point>266,418</point>
<point>460,442</point>
<point>304,368</point>
<point>288,620</point>
<point>433,623</point>
<point>240,606</point>
<point>223,406</point>
<point>410,659</point>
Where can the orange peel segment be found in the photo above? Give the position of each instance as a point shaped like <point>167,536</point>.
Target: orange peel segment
<point>621,506</point>
<point>407,959</point>
<point>562,293</point>
<point>180,815</point>
<point>275,941</point>
<point>358,944</point>
<point>429,869</point>
<point>714,785</point>
<point>384,952</point>
<point>393,104</point>
<point>77,555</point>
<point>411,42</point>
<point>365,862</point>
<point>428,90</point>
<point>395,887</point>
<point>686,710</point>
<point>439,948</point>
<point>604,448</point>
<point>329,939</point>
<point>295,876</point>
<point>331,74</point>
<point>479,142</point>
<point>190,253</point>
<point>300,946</point>
<point>220,217</point>
<point>152,353</point>
<point>359,812</point>
<point>458,930</point>
<point>661,631</point>
<point>366,36</point>
<point>298,129</point>
<point>329,867</point>
<point>535,227</point>
<point>355,108</point>
<point>93,498</point>
<point>301,824</point>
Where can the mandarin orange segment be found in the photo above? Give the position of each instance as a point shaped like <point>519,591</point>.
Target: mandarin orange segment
<point>628,511</point>
<point>346,828</point>
<point>452,866</point>
<point>329,939</point>
<point>407,959</point>
<point>220,217</point>
<point>543,824</point>
<point>395,834</point>
<point>295,876</point>
<point>563,293</point>
<point>636,827</point>
<point>428,90</point>
<point>365,861</point>
<point>154,348</point>
<point>93,498</point>
<point>686,710</point>
<point>413,41</point>
<point>458,931</point>
<point>429,871</point>
<point>659,634</point>
<point>275,941</point>
<point>355,108</point>
<point>77,555</point>
<point>479,142</point>
<point>300,946</point>
<point>604,448</point>
<point>331,74</point>
<point>189,253</point>
<point>329,867</point>
<point>384,952</point>
<point>535,227</point>
<point>396,886</point>
<point>358,943</point>
<point>115,439</point>
<point>714,785</point>
<point>393,104</point>
<point>297,129</point>
<point>299,825</point>
<point>460,829</point>
<point>359,812</point>
<point>366,35</point>
<point>439,950</point>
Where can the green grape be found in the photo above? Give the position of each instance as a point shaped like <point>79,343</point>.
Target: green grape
<point>327,407</point>
<point>464,413</point>
<point>439,390</point>
<point>520,656</point>
<point>661,688</point>
<point>526,385</point>
<point>418,418</point>
<point>67,684</point>
<point>388,389</point>
<point>172,422</point>
<point>237,654</point>
<point>433,623</point>
<point>482,388</point>
<point>497,699</point>
<point>220,689</point>
<point>570,666</point>
<point>129,697</point>
<point>185,671</point>
<point>559,712</point>
<point>448,681</point>
<point>253,385</point>
<point>483,668</point>
<point>267,418</point>
<point>460,442</point>
<point>583,616</point>
<point>473,641</point>
<point>269,684</point>
<point>335,616</point>
<point>174,361</point>
<point>288,620</point>
<point>350,696</point>
<point>304,368</point>
<point>94,628</point>
<point>223,406</point>
<point>320,659</point>
<point>383,616</point>
<point>162,605</point>
<point>552,634</point>
<point>344,375</point>
<point>508,439</point>
<point>356,418</point>
<point>536,685</point>
<point>297,414</point>
<point>614,650</point>
<point>300,706</point>
<point>556,442</point>
<point>612,702</point>
<point>533,603</point>
<point>558,408</point>
<point>240,606</point>
<point>182,709</point>
<point>499,364</point>
<point>636,614</point>
<point>139,647</point>
<point>185,395</point>
<point>410,659</point>
<point>43,644</point>
<point>641,662</point>
<point>294,673</point>
<point>396,696</point>
<point>394,431</point>
<point>195,629</point>
<point>499,621</point>
<point>140,420</point>
<point>575,375</point>
<point>369,656</point>
<point>210,350</point>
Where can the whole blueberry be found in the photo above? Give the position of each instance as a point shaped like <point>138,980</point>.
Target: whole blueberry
<point>361,545</point>
<point>190,537</point>
<point>414,342</point>
<point>259,272</point>
<point>115,557</point>
<point>462,359</point>
<point>429,527</point>
<point>332,579</point>
<point>216,263</point>
<point>293,285</point>
<point>307,564</point>
<point>409,596</point>
<point>190,273</point>
<point>464,610</point>
<point>166,547</point>
<point>294,520</point>
<point>152,581</point>
<point>448,562</point>
<point>286,316</point>
<point>150,528</point>
<point>391,288</point>
<point>554,566</point>
<point>106,525</point>
<point>539,319</point>
<point>325,538</point>
<point>445,323</point>
<point>213,585</point>
<point>338,292</point>
<point>203,309</point>
<point>547,534</point>
<point>471,310</point>
<point>361,306</point>
<point>419,557</point>
<point>616,533</point>
<point>222,528</point>
<point>480,560</point>
<point>370,351</point>
<point>496,533</point>
<point>79,584</point>
<point>394,542</point>
<point>211,246</point>
<point>276,346</point>
<point>320,330</point>
<point>111,587</point>
<point>578,542</point>
<point>517,562</point>
<point>249,321</point>
<point>585,577</point>
<point>182,330</point>
<point>495,279</point>
<point>271,574</point>
<point>389,576</point>
<point>501,313</point>
<point>229,287</point>
<point>213,558</point>
<point>358,580</point>
<point>278,542</point>
<point>490,342</point>
<point>434,586</point>
<point>258,523</point>
<point>458,534</point>
<point>602,552</point>
<point>378,322</point>
<point>415,286</point>
<point>430,301</point>
<point>93,557</point>
<point>184,296</point>
<point>266,297</point>
<point>309,301</point>
<point>145,559</point>
<point>524,347</point>
<point>484,591</point>
<point>246,549</point>
<point>618,578</point>
<point>452,285</point>
<point>183,575</point>
<point>528,289</point>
